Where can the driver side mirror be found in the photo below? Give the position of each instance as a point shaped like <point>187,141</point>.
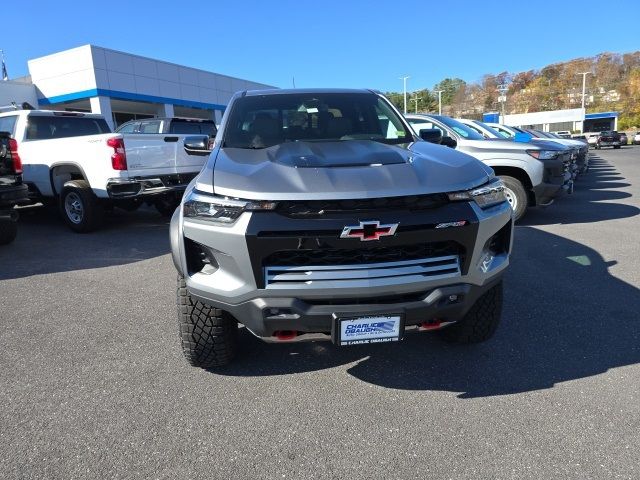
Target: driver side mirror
<point>431,135</point>
<point>197,145</point>
<point>449,142</point>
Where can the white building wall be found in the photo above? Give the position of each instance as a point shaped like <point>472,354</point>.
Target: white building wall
<point>65,75</point>
<point>575,115</point>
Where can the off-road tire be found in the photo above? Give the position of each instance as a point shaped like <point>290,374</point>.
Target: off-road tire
<point>92,211</point>
<point>481,322</point>
<point>516,188</point>
<point>8,231</point>
<point>209,336</point>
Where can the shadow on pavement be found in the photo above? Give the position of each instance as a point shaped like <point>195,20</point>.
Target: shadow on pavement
<point>45,245</point>
<point>565,317</point>
<point>588,203</point>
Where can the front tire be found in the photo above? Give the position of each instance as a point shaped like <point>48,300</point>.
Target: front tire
<point>516,196</point>
<point>208,335</point>
<point>481,322</point>
<point>8,231</point>
<point>79,207</point>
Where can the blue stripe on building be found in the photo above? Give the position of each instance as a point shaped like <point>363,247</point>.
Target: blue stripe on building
<point>95,92</point>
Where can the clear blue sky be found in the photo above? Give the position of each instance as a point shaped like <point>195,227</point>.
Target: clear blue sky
<point>327,43</point>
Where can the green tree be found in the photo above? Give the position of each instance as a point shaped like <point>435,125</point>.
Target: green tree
<point>449,87</point>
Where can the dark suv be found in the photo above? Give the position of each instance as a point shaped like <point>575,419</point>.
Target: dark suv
<point>12,190</point>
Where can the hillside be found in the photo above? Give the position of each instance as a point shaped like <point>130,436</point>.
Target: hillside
<point>613,83</point>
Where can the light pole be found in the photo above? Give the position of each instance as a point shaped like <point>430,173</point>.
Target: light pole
<point>439,101</point>
<point>415,99</point>
<point>584,85</point>
<point>404,81</point>
<point>503,88</point>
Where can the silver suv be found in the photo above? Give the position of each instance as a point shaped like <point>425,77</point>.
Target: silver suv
<point>321,215</point>
<point>533,173</point>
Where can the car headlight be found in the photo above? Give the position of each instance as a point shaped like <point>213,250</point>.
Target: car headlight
<point>216,209</point>
<point>543,154</point>
<point>487,195</point>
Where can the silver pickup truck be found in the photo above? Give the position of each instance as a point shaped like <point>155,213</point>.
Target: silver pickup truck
<point>321,215</point>
<point>161,160</point>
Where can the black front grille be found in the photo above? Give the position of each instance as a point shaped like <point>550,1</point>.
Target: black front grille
<point>336,256</point>
<point>315,208</point>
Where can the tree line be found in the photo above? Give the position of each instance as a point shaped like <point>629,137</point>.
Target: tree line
<point>612,84</point>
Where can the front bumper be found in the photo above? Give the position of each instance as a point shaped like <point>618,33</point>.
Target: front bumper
<point>237,279</point>
<point>558,179</point>
<point>120,188</point>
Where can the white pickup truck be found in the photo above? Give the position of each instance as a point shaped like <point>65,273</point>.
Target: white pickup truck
<point>74,159</point>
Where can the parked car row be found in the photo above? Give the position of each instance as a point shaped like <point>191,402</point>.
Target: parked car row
<point>535,170</point>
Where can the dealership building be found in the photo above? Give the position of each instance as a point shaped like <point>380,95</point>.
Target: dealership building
<point>122,86</point>
<point>574,119</point>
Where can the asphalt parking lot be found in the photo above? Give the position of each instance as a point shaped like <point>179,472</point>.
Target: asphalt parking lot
<point>94,384</point>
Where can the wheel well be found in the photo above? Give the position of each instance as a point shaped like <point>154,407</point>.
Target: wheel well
<point>520,175</point>
<point>60,174</point>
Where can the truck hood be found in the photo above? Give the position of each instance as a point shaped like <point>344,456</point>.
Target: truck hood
<point>339,170</point>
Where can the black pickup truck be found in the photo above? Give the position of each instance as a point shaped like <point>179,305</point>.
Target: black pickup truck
<point>12,190</point>
<point>608,139</point>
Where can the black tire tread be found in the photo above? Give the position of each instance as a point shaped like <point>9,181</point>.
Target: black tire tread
<point>480,322</point>
<point>93,211</point>
<point>208,335</point>
<point>8,231</point>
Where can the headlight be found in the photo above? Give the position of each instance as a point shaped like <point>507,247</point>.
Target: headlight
<point>543,154</point>
<point>217,209</point>
<point>486,196</point>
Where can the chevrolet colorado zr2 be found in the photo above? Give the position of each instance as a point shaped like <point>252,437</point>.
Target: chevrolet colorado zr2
<point>321,215</point>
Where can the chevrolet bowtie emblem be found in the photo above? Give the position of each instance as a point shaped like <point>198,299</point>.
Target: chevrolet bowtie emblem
<point>369,230</point>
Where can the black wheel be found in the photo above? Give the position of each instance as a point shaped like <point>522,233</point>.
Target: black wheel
<point>79,207</point>
<point>516,196</point>
<point>208,335</point>
<point>167,204</point>
<point>8,231</point>
<point>481,322</point>
<point>616,146</point>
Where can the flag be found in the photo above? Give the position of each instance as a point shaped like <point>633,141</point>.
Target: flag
<point>5,75</point>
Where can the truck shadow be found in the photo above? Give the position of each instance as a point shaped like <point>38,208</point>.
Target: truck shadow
<point>586,204</point>
<point>45,245</point>
<point>565,318</point>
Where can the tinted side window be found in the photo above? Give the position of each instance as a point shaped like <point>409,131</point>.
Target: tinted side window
<point>150,127</point>
<point>8,124</point>
<point>128,128</point>
<point>204,128</point>
<point>45,127</point>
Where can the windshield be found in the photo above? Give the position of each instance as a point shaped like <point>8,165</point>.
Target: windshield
<point>460,128</point>
<point>263,121</point>
<point>489,129</point>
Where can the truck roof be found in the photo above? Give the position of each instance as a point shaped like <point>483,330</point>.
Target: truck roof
<point>284,91</point>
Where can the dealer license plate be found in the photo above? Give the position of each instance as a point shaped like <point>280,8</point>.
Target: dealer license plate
<point>368,329</point>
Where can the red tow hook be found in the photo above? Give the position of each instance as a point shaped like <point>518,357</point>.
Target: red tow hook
<point>285,335</point>
<point>433,325</point>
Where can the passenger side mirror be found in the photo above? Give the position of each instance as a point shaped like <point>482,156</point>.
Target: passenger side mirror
<point>197,145</point>
<point>449,142</point>
<point>431,135</point>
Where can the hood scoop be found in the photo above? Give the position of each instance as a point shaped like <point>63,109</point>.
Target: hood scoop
<point>352,153</point>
